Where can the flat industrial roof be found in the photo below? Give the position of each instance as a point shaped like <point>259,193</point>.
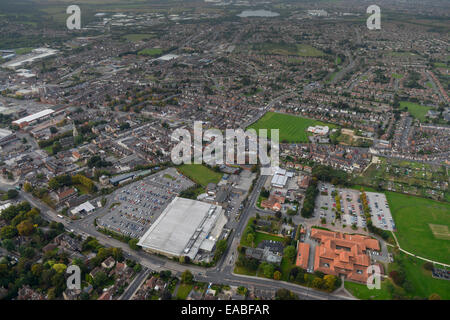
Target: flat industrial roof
<point>34,116</point>
<point>184,222</point>
<point>4,133</point>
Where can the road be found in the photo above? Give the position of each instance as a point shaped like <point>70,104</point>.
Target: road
<point>222,273</point>
<point>135,284</point>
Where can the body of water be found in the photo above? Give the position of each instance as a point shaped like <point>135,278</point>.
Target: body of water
<point>257,13</point>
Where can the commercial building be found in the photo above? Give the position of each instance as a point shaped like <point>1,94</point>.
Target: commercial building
<point>34,117</point>
<point>280,178</point>
<point>36,54</point>
<point>85,208</point>
<point>185,228</point>
<point>6,136</point>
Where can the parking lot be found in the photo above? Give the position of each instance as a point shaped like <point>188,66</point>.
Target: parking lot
<point>324,204</point>
<point>381,214</point>
<point>137,205</point>
<point>351,207</point>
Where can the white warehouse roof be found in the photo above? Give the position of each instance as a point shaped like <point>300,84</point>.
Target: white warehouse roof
<point>34,116</point>
<point>182,228</point>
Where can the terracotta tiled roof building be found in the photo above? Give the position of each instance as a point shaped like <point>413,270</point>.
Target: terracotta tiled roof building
<point>343,254</point>
<point>302,255</point>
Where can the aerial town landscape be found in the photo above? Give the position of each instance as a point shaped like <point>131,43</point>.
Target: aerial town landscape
<point>360,197</point>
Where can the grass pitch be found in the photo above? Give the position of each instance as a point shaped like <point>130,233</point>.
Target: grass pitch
<point>200,174</point>
<point>416,110</point>
<point>292,128</point>
<point>413,217</point>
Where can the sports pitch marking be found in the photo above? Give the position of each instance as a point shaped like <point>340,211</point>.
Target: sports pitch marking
<point>440,231</point>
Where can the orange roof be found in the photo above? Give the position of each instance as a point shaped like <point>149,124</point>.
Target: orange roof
<point>302,255</point>
<point>345,254</point>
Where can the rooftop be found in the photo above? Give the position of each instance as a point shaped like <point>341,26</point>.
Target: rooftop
<point>182,228</point>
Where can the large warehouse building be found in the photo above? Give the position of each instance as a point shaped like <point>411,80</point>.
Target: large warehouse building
<point>185,228</point>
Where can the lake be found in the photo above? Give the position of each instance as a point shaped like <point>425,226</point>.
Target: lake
<point>257,13</point>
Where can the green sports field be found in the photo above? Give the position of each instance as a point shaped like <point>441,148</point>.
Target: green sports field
<point>416,110</point>
<point>288,49</point>
<point>292,128</point>
<point>135,37</point>
<point>152,52</point>
<point>422,225</point>
<point>200,174</point>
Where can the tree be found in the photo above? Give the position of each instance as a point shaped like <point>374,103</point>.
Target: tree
<point>27,187</point>
<point>59,267</point>
<point>78,140</point>
<point>290,253</point>
<point>12,193</point>
<point>25,228</point>
<point>133,244</point>
<point>8,232</point>
<point>277,275</point>
<point>137,268</point>
<point>187,277</point>
<point>166,295</point>
<point>434,296</point>
<point>428,266</point>
<point>36,269</point>
<point>221,246</point>
<point>53,130</point>
<point>100,280</point>
<point>8,244</point>
<point>317,283</point>
<point>268,269</point>
<point>117,254</point>
<point>285,294</point>
<point>330,282</point>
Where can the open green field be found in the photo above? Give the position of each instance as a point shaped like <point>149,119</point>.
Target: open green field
<point>200,174</point>
<point>397,76</point>
<point>440,65</point>
<point>421,280</point>
<point>415,219</point>
<point>292,128</point>
<point>361,291</point>
<point>23,50</point>
<point>287,49</point>
<point>151,52</point>
<point>135,37</point>
<point>259,236</point>
<point>402,54</point>
<point>304,50</point>
<point>416,110</point>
